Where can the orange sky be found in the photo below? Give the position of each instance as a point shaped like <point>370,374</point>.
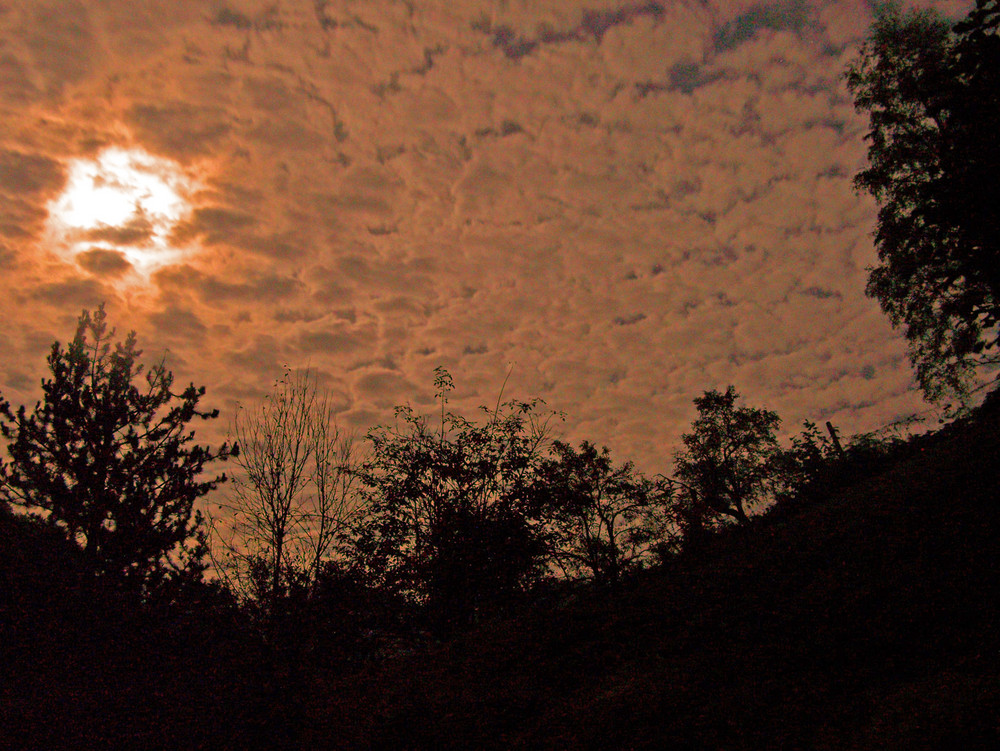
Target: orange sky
<point>629,202</point>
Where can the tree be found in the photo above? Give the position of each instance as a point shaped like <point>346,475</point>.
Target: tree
<point>106,456</point>
<point>933,95</point>
<point>450,520</point>
<point>726,461</point>
<point>294,494</point>
<point>810,463</point>
<point>600,513</point>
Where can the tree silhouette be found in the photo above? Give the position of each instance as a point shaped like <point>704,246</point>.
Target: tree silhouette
<point>106,456</point>
<point>449,516</point>
<point>806,463</point>
<point>933,95</point>
<point>295,493</point>
<point>727,458</point>
<point>599,512</point>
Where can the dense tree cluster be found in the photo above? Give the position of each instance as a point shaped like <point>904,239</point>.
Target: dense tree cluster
<point>725,464</point>
<point>604,520</point>
<point>449,515</point>
<point>444,521</point>
<point>932,91</point>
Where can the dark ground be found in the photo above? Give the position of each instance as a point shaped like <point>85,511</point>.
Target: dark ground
<point>866,617</point>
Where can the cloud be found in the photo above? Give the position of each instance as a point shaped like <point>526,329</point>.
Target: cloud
<point>226,16</point>
<point>104,262</point>
<point>22,173</point>
<point>292,135</point>
<point>217,292</point>
<point>278,245</point>
<point>792,14</point>
<point>593,24</point>
<point>175,322</point>
<point>138,231</point>
<point>261,355</point>
<point>630,202</point>
<point>76,293</point>
<point>335,340</point>
<point>180,129</point>
<point>61,43</point>
<point>16,86</point>
<point>212,225</point>
<point>822,293</point>
<point>629,320</point>
<point>381,386</point>
<point>686,76</point>
<point>369,274</point>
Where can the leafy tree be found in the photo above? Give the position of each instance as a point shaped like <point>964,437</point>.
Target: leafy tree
<point>725,465</point>
<point>933,95</point>
<point>294,494</point>
<point>450,521</point>
<point>599,513</point>
<point>805,463</point>
<point>107,457</point>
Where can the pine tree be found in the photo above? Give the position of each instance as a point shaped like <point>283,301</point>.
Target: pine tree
<point>107,457</point>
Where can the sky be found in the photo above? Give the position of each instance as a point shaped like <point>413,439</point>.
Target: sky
<point>622,204</point>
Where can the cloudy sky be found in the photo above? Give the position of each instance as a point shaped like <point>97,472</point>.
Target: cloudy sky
<point>627,203</point>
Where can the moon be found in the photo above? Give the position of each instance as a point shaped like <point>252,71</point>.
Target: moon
<point>124,203</point>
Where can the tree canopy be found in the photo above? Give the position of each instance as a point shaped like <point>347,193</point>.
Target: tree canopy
<point>449,517</point>
<point>106,456</point>
<point>602,515</point>
<point>727,456</point>
<point>932,91</point>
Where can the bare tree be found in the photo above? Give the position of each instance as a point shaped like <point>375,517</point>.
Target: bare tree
<point>294,494</point>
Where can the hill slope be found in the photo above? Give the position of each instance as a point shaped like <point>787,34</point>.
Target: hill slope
<point>868,618</point>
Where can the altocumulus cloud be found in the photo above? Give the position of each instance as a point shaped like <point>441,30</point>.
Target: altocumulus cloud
<point>631,202</point>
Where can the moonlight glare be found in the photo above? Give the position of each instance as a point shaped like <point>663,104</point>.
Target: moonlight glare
<point>122,201</point>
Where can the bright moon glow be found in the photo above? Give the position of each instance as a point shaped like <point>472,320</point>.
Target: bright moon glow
<point>123,202</point>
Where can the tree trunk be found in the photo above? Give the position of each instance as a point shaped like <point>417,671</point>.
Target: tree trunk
<point>276,572</point>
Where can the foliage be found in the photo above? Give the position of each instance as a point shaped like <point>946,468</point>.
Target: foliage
<point>754,646</point>
<point>450,521</point>
<point>107,457</point>
<point>601,515</point>
<point>727,458</point>
<point>933,96</point>
<point>816,465</point>
<point>806,462</point>
<point>294,494</point>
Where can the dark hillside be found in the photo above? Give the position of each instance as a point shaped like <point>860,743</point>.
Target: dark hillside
<point>83,666</point>
<point>865,619</point>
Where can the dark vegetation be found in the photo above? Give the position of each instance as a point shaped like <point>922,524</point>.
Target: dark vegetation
<point>933,95</point>
<point>861,616</point>
<point>860,613</point>
<point>475,584</point>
